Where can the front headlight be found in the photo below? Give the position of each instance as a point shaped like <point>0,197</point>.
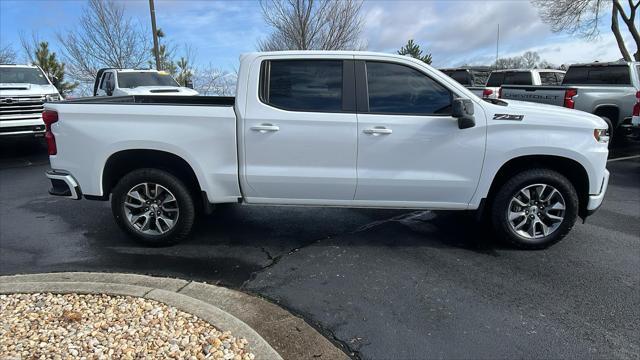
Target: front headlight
<point>601,135</point>
<point>53,97</point>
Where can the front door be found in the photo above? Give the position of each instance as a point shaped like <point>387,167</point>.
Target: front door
<point>410,148</point>
<point>300,137</point>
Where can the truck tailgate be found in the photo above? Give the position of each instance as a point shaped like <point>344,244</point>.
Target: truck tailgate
<point>551,95</point>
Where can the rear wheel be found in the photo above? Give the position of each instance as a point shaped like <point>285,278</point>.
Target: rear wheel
<point>535,209</point>
<point>153,206</point>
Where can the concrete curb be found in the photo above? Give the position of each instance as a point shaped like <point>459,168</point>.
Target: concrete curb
<point>275,332</point>
<point>204,311</point>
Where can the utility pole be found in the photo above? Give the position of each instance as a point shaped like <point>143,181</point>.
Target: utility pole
<point>497,44</point>
<point>156,51</point>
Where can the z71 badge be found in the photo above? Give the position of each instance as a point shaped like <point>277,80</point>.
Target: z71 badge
<point>508,117</point>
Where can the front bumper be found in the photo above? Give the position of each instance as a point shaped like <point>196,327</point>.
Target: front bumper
<point>63,184</point>
<point>596,200</point>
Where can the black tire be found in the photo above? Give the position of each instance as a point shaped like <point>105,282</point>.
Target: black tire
<point>611,130</point>
<point>185,204</point>
<point>504,195</point>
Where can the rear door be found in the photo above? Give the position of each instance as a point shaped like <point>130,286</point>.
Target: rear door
<point>410,149</point>
<point>300,135</point>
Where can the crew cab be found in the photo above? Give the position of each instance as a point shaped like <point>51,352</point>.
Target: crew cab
<point>315,128</point>
<point>473,78</point>
<point>609,90</point>
<point>23,91</point>
<point>120,82</point>
<point>533,77</point>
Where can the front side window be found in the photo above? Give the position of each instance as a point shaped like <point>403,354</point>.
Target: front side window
<point>303,85</point>
<point>105,77</point>
<point>399,89</point>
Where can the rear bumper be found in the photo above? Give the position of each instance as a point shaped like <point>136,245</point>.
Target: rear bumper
<point>596,200</point>
<point>63,184</point>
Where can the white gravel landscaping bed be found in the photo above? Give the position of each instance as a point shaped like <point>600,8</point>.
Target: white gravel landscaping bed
<point>72,326</point>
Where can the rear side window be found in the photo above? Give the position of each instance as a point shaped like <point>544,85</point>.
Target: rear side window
<point>597,75</point>
<point>399,89</point>
<point>303,85</point>
<point>549,78</point>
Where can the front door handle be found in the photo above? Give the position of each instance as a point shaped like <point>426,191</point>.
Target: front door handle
<point>264,128</point>
<point>378,130</point>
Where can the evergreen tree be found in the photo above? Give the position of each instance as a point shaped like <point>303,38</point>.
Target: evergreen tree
<point>166,55</point>
<point>185,73</point>
<point>52,68</point>
<point>412,49</point>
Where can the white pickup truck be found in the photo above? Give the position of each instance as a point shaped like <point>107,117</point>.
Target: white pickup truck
<point>121,82</point>
<point>348,129</point>
<point>23,91</point>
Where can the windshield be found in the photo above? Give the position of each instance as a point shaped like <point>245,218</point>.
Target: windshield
<point>461,76</point>
<point>22,75</point>
<point>135,79</point>
<point>498,79</point>
<point>597,75</point>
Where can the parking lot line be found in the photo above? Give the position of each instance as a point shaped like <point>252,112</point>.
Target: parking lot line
<point>624,158</point>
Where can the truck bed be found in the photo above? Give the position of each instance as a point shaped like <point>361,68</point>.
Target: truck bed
<point>157,100</point>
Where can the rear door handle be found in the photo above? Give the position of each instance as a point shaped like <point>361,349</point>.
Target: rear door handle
<point>378,130</point>
<point>264,128</point>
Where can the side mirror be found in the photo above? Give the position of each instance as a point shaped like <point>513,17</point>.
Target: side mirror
<point>462,109</point>
<point>110,87</point>
<point>188,84</point>
<point>54,80</point>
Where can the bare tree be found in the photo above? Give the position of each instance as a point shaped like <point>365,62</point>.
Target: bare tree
<point>582,17</point>
<point>528,60</point>
<point>214,81</point>
<point>312,24</point>
<point>7,54</point>
<point>104,37</point>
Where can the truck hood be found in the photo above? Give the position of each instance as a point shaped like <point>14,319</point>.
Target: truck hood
<point>548,114</point>
<point>21,89</point>
<point>159,90</point>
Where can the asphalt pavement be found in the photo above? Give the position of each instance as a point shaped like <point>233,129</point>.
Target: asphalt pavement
<point>381,283</point>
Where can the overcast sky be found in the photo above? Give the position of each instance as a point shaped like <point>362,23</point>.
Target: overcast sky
<point>455,32</point>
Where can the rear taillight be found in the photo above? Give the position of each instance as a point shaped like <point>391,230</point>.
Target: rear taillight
<point>636,107</point>
<point>486,93</point>
<point>50,117</point>
<point>568,98</point>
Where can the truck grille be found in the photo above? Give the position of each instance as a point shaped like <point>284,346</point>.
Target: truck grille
<point>21,107</point>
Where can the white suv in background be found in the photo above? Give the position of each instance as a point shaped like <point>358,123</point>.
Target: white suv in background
<point>23,91</point>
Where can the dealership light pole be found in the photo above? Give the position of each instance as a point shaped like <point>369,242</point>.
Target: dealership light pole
<point>156,52</point>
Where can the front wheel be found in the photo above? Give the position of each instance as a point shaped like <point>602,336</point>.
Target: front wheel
<point>535,209</point>
<point>153,206</point>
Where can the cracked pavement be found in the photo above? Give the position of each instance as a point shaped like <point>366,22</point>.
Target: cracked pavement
<point>381,283</point>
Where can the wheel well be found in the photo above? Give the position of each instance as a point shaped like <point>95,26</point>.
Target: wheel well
<point>123,162</point>
<point>611,112</point>
<point>571,169</point>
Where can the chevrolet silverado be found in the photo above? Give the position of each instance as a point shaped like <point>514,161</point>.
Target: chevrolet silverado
<point>348,129</point>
